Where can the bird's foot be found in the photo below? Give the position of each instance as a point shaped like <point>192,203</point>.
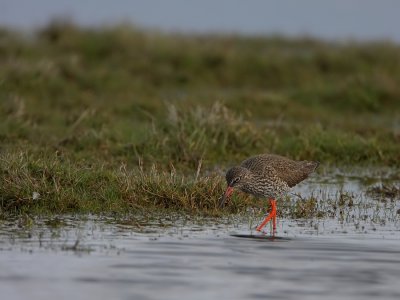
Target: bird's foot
<point>270,217</point>
<point>272,233</point>
<point>261,231</point>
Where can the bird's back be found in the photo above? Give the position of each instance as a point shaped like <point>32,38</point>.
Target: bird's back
<point>290,171</point>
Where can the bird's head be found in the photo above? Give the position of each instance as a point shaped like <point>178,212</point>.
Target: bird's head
<point>236,177</point>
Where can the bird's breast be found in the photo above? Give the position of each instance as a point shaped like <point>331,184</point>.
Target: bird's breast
<point>266,188</point>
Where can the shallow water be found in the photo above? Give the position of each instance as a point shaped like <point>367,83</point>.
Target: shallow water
<point>118,262</point>
<point>175,257</point>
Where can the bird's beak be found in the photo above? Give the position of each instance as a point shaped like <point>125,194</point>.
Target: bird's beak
<point>228,193</point>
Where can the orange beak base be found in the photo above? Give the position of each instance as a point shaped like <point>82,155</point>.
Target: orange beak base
<point>228,193</point>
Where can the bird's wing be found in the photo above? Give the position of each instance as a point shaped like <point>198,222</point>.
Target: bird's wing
<point>290,171</point>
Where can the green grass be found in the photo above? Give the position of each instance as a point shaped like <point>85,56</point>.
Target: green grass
<point>87,114</point>
<point>41,185</point>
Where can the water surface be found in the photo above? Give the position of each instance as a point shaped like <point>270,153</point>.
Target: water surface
<point>171,257</point>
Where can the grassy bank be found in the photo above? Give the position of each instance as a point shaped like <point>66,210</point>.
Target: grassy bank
<point>54,185</point>
<point>86,114</point>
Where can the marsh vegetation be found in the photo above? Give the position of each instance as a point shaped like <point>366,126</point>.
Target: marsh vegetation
<point>119,119</point>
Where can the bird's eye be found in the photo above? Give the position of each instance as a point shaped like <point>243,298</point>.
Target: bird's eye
<point>234,181</point>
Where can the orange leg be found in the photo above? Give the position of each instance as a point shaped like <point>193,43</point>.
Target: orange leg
<point>274,218</point>
<point>271,215</point>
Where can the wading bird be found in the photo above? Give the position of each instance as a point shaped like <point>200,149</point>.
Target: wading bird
<point>269,176</point>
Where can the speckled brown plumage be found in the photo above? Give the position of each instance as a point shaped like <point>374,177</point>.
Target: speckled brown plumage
<point>269,175</point>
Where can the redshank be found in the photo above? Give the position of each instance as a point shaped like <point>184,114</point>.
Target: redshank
<point>269,176</point>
